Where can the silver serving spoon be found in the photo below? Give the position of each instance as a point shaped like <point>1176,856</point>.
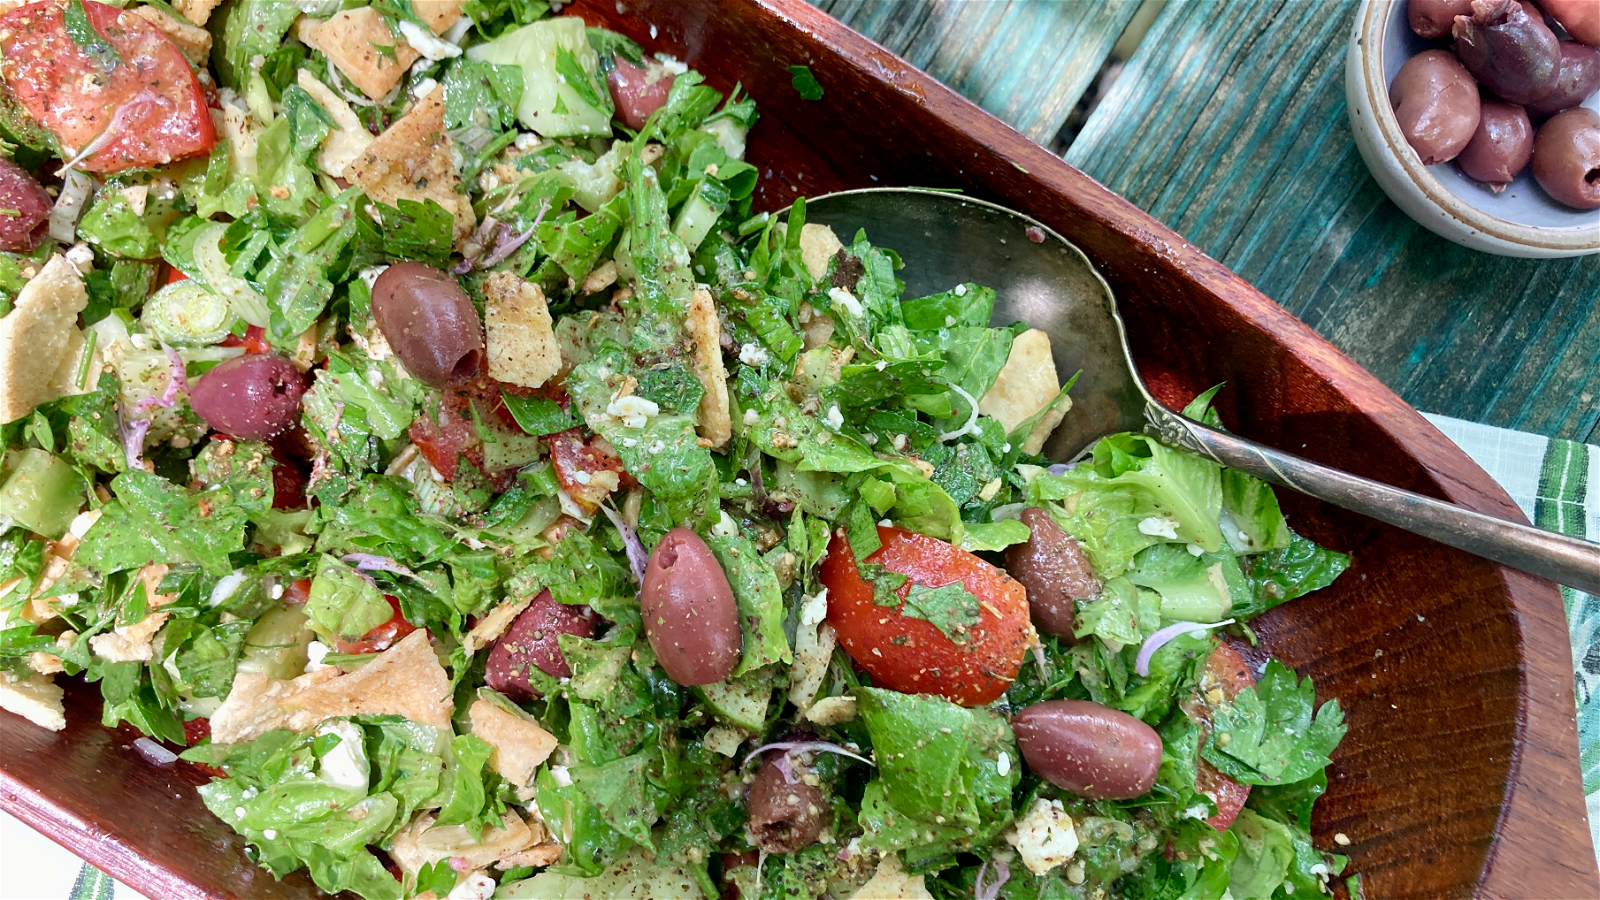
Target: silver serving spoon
<point>946,239</point>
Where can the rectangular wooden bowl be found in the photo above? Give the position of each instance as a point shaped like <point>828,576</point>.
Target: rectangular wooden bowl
<point>1459,776</point>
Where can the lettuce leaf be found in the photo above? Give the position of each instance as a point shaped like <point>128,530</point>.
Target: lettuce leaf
<point>154,520</point>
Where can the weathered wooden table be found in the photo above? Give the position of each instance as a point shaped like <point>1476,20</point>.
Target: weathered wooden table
<point>1227,122</point>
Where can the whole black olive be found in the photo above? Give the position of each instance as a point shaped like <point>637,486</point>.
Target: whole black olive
<point>430,323</point>
<point>1511,53</point>
<point>254,397</point>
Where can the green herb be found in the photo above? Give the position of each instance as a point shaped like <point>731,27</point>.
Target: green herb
<point>805,83</point>
<point>578,78</point>
<point>950,608</point>
<point>484,94</point>
<point>384,50</point>
<point>1268,735</point>
<point>83,34</point>
<point>538,415</point>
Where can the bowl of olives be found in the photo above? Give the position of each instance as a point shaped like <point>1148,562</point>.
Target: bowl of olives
<point>1481,118</point>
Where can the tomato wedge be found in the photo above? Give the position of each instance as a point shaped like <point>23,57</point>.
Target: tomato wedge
<point>135,99</point>
<point>585,470</point>
<point>1224,676</point>
<point>384,636</point>
<point>912,655</point>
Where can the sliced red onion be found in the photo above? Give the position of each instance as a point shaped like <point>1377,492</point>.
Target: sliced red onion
<point>75,190</point>
<point>154,752</point>
<point>133,441</point>
<point>981,891</point>
<point>972,418</point>
<point>178,379</point>
<point>1061,468</point>
<point>1161,638</point>
<point>369,562</point>
<point>791,747</point>
<point>460,864</point>
<point>503,247</point>
<point>638,556</point>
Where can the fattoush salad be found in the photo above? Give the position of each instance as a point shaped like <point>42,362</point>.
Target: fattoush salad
<point>408,419</point>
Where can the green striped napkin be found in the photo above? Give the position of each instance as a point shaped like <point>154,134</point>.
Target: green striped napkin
<point>1557,484</point>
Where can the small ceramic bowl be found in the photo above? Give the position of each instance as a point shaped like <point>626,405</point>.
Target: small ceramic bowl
<point>1520,221</point>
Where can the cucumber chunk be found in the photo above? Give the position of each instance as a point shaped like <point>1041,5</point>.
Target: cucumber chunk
<point>42,491</point>
<point>741,702</point>
<point>551,104</point>
<point>276,644</point>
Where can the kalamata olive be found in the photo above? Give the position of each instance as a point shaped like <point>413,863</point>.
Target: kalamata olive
<point>1581,18</point>
<point>1566,158</point>
<point>1054,571</point>
<point>1510,52</point>
<point>1436,103</point>
<point>534,639</point>
<point>1091,750</point>
<point>689,612</point>
<point>24,209</point>
<point>786,814</point>
<point>1434,18</point>
<point>255,396</point>
<point>1501,146</point>
<point>638,92</point>
<point>1579,77</point>
<point>429,321</point>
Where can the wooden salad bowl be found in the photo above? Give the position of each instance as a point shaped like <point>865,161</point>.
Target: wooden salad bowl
<point>1459,776</point>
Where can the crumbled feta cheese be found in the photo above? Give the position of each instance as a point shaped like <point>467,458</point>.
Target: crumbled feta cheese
<point>423,41</point>
<point>843,300</point>
<point>949,321</point>
<point>834,418</point>
<point>633,410</point>
<point>751,417</point>
<point>581,477</point>
<point>753,354</point>
<point>561,776</point>
<point>369,275</point>
<point>1044,837</point>
<point>226,587</point>
<point>476,886</point>
<point>81,256</point>
<point>345,765</point>
<point>316,652</point>
<point>1003,764</point>
<point>270,834</point>
<point>1196,550</point>
<point>1159,526</point>
<point>275,592</point>
<point>526,140</point>
<point>961,290</point>
<point>726,526</point>
<point>238,812</point>
<point>423,88</point>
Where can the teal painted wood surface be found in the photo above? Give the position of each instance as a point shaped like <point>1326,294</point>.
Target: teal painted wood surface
<point>1026,61</point>
<point>1228,124</point>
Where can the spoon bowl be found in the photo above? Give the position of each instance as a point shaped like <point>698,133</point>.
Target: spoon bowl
<point>1042,279</point>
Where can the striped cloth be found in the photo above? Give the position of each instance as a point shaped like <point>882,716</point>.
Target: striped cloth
<point>1556,482</point>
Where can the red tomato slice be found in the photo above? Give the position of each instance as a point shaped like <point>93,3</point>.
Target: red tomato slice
<point>1224,676</point>
<point>585,470</point>
<point>444,435</point>
<point>255,337</point>
<point>384,636</point>
<point>149,107</point>
<point>911,655</point>
<point>297,592</point>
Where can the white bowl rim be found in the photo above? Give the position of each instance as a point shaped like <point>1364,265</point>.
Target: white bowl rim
<point>1374,15</point>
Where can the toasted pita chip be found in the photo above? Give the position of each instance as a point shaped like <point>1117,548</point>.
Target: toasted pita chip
<point>520,745</point>
<point>422,843</point>
<point>36,699</point>
<point>406,680</point>
<point>705,330</point>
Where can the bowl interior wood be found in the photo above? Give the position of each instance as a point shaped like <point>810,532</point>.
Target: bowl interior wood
<point>1459,776</point>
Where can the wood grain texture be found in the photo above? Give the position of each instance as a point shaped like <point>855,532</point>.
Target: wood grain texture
<point>1229,124</point>
<point>1026,61</point>
<point>1459,776</point>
